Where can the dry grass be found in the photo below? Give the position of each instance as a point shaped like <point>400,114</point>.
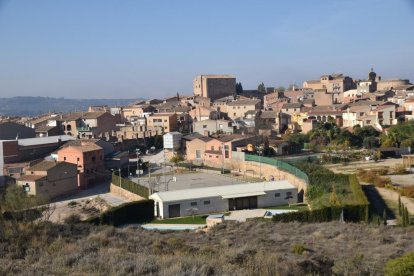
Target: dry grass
<point>251,248</point>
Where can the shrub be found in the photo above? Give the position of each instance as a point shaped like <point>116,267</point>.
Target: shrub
<point>133,212</point>
<point>407,191</point>
<point>298,249</point>
<point>400,169</point>
<point>400,266</point>
<point>381,171</point>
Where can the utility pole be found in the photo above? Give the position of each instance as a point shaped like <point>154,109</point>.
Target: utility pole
<point>137,150</point>
<point>149,177</point>
<point>222,158</point>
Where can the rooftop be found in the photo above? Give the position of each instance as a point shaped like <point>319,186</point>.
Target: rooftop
<point>244,102</point>
<point>31,177</point>
<point>228,191</point>
<point>44,165</point>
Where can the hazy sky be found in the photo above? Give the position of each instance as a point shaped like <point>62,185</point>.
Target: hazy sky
<point>129,49</point>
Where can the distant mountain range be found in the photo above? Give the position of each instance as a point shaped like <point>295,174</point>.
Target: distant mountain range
<point>32,106</point>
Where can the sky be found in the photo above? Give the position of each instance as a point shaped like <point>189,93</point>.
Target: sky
<point>137,48</point>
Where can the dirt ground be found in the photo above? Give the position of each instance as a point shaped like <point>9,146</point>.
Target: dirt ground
<point>84,208</point>
<point>393,196</point>
<point>352,167</point>
<point>402,180</point>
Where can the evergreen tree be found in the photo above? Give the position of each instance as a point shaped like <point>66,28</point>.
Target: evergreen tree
<point>399,206</point>
<point>407,217</point>
<point>239,88</point>
<point>261,88</point>
<point>384,217</point>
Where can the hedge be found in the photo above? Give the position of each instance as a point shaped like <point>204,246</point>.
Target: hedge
<point>130,186</point>
<point>353,213</point>
<point>355,205</point>
<point>132,212</point>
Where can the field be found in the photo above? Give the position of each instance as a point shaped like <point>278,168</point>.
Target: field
<point>251,248</point>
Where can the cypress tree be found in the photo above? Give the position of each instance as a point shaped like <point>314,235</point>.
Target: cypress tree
<point>399,206</point>
<point>407,218</point>
<point>384,217</point>
<point>403,216</point>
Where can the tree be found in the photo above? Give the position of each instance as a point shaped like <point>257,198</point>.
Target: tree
<point>370,142</point>
<point>296,142</point>
<point>407,216</point>
<point>384,217</point>
<point>261,88</point>
<point>292,86</point>
<point>177,159</point>
<point>280,90</point>
<point>239,88</point>
<point>267,150</point>
<point>333,199</point>
<point>399,206</point>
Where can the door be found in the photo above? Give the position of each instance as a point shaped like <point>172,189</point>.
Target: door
<point>173,210</point>
<point>242,203</point>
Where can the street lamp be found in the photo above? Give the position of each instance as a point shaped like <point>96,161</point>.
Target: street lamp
<point>222,157</point>
<point>260,151</point>
<point>137,152</point>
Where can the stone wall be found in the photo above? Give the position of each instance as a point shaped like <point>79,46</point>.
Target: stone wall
<point>113,189</point>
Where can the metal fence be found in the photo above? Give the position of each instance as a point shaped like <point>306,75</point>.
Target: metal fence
<point>130,186</point>
<point>279,164</point>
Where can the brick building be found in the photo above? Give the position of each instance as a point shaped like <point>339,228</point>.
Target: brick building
<point>89,159</point>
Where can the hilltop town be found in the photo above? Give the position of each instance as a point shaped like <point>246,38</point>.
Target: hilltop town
<point>333,149</point>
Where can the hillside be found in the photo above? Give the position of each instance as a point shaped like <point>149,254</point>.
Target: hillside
<point>32,106</point>
<point>251,248</point>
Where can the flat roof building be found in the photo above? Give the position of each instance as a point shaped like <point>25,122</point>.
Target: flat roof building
<point>223,198</point>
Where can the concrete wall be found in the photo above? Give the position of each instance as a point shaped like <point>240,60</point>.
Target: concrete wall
<point>113,189</point>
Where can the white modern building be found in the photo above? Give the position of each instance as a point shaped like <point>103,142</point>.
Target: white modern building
<point>223,198</point>
<point>172,140</point>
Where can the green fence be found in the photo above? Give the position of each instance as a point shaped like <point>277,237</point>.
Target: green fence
<point>130,186</point>
<point>279,164</point>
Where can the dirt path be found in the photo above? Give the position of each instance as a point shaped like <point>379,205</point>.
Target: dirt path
<point>392,195</point>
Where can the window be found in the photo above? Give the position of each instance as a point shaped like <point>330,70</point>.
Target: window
<point>40,184</point>
<point>289,193</point>
<point>78,159</point>
<point>212,147</point>
<point>204,126</point>
<point>193,203</point>
<point>93,158</point>
<point>64,158</point>
<point>206,202</point>
<point>277,194</point>
<point>198,154</point>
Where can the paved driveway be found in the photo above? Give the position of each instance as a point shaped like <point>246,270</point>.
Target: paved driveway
<point>243,215</point>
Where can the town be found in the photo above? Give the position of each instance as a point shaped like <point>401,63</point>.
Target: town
<point>335,119</point>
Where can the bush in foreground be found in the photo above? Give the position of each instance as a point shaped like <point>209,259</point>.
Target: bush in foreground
<point>402,266</point>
